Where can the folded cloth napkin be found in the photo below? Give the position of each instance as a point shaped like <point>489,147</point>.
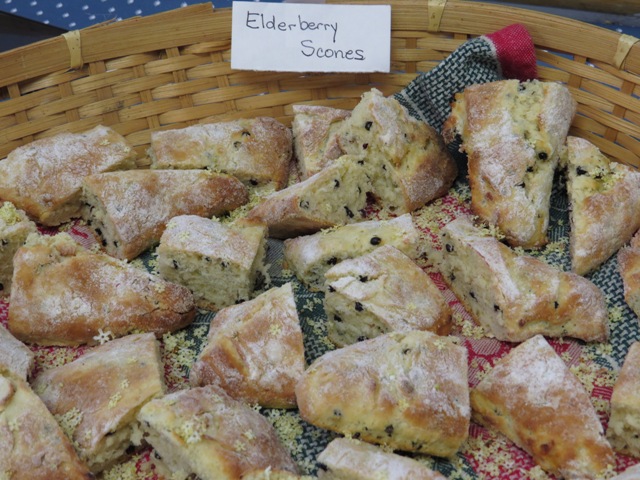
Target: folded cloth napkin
<point>507,53</point>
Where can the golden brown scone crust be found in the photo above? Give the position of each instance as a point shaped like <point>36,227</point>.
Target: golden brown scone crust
<point>512,134</point>
<point>517,296</point>
<point>315,138</point>
<point>531,397</point>
<point>350,459</point>
<point>605,204</point>
<point>65,295</point>
<point>44,178</point>
<point>407,390</point>
<point>133,208</point>
<point>257,151</point>
<point>254,350</point>
<point>105,388</point>
<point>624,422</point>
<point>15,227</point>
<point>204,431</point>
<point>32,444</point>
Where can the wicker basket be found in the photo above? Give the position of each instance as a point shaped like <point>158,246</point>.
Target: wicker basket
<point>173,69</point>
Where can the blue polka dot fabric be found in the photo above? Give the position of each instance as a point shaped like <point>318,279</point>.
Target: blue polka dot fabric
<point>75,14</point>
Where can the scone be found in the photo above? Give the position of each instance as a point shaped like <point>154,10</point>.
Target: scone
<point>407,160</point>
<point>334,196</point>
<point>14,229</point>
<point>257,151</point>
<point>350,459</point>
<point>315,139</point>
<point>517,296</point>
<point>254,350</point>
<point>512,133</point>
<point>379,292</point>
<point>270,474</point>
<point>624,423</point>
<point>16,359</point>
<point>310,256</point>
<point>99,395</point>
<point>129,211</point>
<point>64,294</point>
<point>629,268</point>
<point>406,390</point>
<point>203,431</point>
<point>44,177</point>
<point>221,264</point>
<point>32,444</point>
<point>605,204</point>
<point>531,397</point>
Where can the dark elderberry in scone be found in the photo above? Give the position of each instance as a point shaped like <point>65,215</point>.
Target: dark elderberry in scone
<point>222,264</point>
<point>512,133</point>
<point>380,292</point>
<point>310,256</point>
<point>406,158</point>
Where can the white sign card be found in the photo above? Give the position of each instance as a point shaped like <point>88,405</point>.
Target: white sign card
<point>303,37</point>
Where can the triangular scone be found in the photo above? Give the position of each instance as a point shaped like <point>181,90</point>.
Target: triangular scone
<point>315,139</point>
<point>254,350</point>
<point>257,151</point>
<point>205,432</point>
<point>406,390</point>
<point>379,292</point>
<point>333,196</point>
<point>44,177</point>
<point>517,296</point>
<point>605,204</point>
<point>407,160</point>
<point>351,459</point>
<point>310,256</point>
<point>222,264</point>
<point>15,227</point>
<point>16,358</point>
<point>129,210</point>
<point>512,133</point>
<point>99,395</point>
<point>629,268</point>
<point>64,294</point>
<point>32,444</point>
<point>623,430</point>
<point>533,398</point>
